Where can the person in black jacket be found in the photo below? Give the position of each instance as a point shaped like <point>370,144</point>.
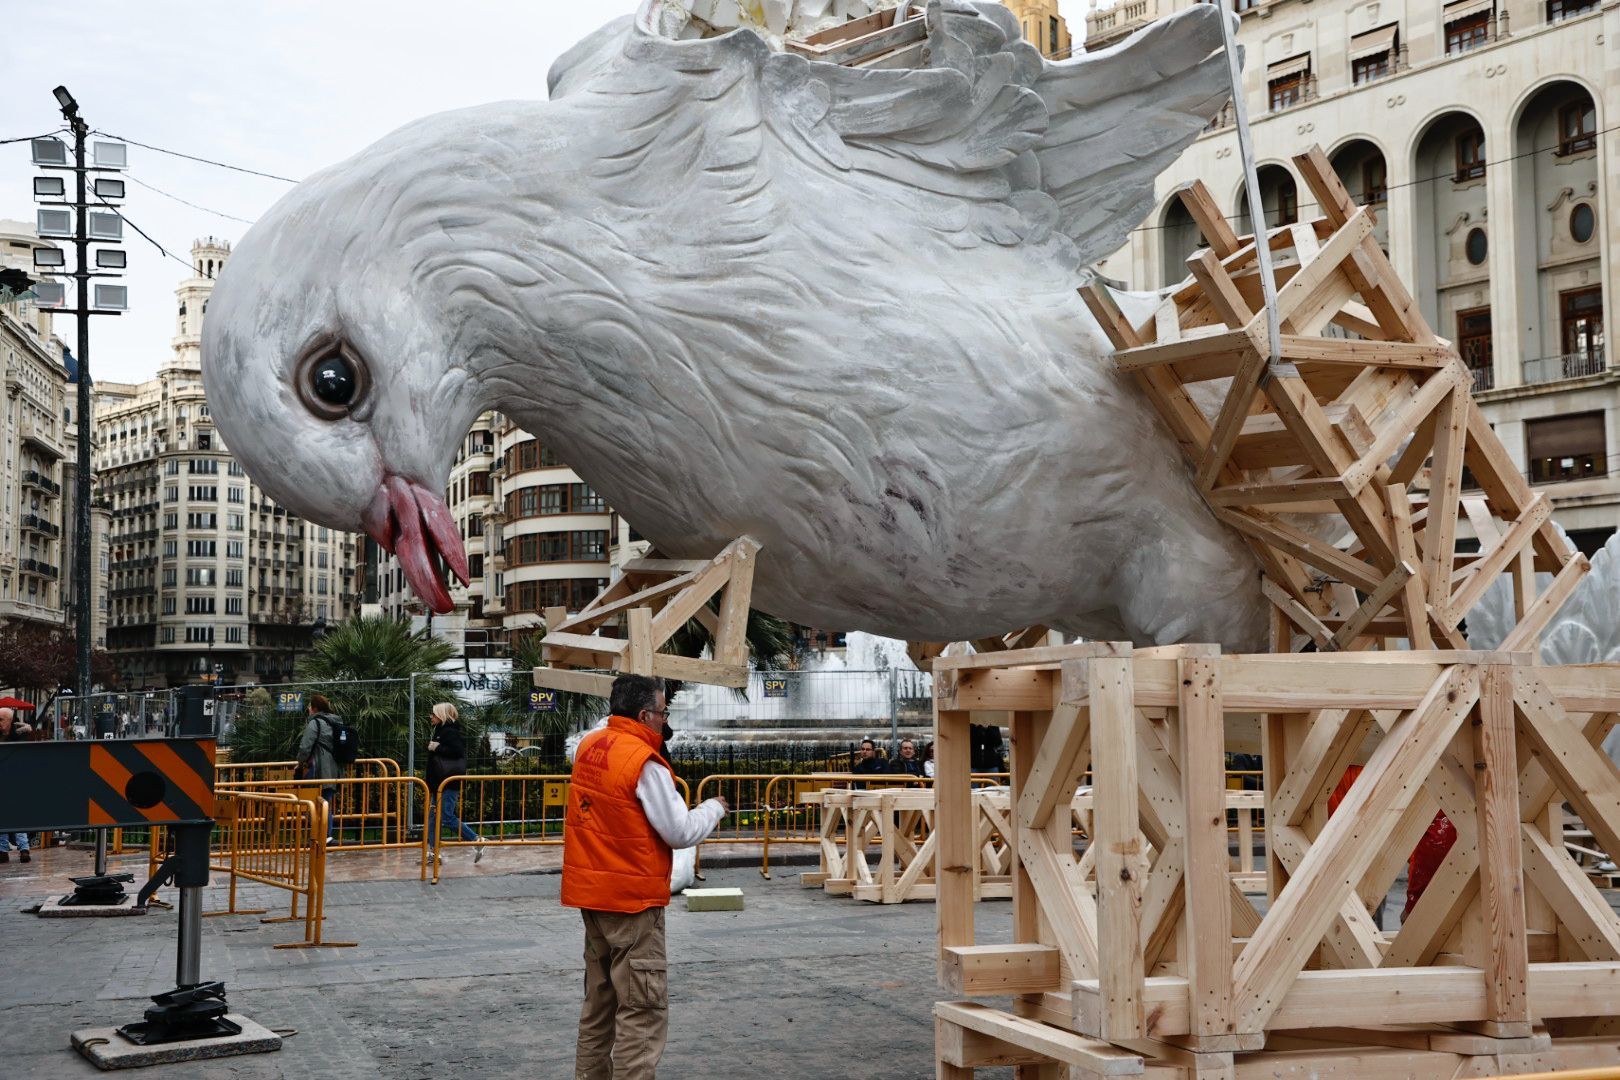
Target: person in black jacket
<point>908,763</point>
<point>447,757</point>
<point>12,729</point>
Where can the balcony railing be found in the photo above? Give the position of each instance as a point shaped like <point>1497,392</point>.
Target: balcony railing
<point>35,523</point>
<point>1484,378</point>
<point>41,481</point>
<point>1574,365</point>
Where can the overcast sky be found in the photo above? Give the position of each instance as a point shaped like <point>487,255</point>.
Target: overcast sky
<point>283,87</point>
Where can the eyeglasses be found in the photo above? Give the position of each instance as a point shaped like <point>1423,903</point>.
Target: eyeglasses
<point>658,712</point>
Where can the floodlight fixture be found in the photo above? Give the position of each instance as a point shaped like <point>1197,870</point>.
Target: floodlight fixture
<point>109,155</point>
<point>50,294</point>
<point>105,226</point>
<point>65,99</point>
<point>49,258</point>
<point>54,223</point>
<point>112,297</point>
<point>107,187</point>
<point>50,187</point>
<point>49,151</point>
<point>111,259</point>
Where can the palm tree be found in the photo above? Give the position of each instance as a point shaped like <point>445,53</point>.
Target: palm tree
<point>773,644</point>
<point>573,712</point>
<point>364,667</point>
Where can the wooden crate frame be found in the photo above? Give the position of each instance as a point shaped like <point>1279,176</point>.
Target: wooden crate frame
<point>652,598</point>
<point>1316,456</point>
<point>1161,967</point>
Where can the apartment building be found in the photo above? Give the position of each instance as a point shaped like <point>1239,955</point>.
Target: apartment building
<point>1481,132</point>
<point>209,579</point>
<point>38,474</point>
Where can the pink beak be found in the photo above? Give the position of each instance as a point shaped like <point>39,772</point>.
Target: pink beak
<point>408,520</point>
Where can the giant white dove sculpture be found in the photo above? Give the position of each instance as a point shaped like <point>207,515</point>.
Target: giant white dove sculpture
<point>745,293</point>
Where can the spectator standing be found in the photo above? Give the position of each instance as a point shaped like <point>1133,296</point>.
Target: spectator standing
<point>625,819</point>
<point>908,763</point>
<point>14,730</point>
<point>315,758</point>
<point>447,757</point>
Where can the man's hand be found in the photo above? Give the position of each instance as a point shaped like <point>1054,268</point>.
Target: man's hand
<point>433,746</point>
<point>724,802</point>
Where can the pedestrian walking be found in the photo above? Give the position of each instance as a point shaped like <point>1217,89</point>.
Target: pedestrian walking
<point>625,819</point>
<point>316,760</point>
<point>14,730</point>
<point>447,757</point>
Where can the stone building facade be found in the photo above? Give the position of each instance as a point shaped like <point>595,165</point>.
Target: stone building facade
<point>1044,26</point>
<point>209,578</point>
<point>1481,132</point>
<point>39,436</point>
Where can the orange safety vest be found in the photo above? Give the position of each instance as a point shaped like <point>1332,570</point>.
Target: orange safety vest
<point>613,859</point>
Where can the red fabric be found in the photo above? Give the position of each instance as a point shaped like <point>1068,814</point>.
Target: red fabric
<point>1426,859</point>
<point>613,859</point>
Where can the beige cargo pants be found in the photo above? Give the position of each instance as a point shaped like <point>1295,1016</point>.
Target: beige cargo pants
<point>625,1020</point>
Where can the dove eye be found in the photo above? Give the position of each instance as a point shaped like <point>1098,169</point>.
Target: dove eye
<point>331,382</point>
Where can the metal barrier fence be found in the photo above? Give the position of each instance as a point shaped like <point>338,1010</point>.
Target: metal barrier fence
<point>132,714</point>
<point>279,840</point>
<point>512,810</point>
<point>368,813</point>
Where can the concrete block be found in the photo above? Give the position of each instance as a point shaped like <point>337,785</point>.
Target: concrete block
<point>714,899</point>
<point>107,1049</point>
<point>55,909</point>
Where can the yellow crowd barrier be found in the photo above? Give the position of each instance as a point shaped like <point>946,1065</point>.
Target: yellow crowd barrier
<point>368,813</point>
<point>510,810</point>
<point>278,840</point>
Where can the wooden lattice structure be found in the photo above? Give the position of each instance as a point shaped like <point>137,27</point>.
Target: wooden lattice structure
<point>1157,965</point>
<point>644,606</point>
<point>1318,457</point>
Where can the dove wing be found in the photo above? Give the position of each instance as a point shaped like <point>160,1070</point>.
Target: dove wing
<point>1120,116</point>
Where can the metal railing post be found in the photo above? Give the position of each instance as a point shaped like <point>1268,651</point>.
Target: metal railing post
<point>410,756</point>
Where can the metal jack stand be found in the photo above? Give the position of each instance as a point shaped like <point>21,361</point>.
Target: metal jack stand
<point>126,784</point>
<point>193,1020</point>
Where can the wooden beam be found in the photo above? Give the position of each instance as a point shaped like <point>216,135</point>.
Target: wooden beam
<point>953,819</point>
<point>1063,755</point>
<point>1376,601</point>
<point>1496,786</point>
<point>1445,487</point>
<point>1118,841</point>
<point>1055,1043</point>
<point>1347,846</point>
<point>1208,961</point>
<point>991,970</point>
<point>574,682</point>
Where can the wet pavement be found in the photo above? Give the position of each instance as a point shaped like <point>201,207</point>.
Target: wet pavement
<point>480,975</point>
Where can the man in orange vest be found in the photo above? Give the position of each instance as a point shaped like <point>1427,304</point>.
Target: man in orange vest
<point>625,819</point>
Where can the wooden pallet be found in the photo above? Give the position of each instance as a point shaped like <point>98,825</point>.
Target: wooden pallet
<point>649,600</point>
<point>1316,456</point>
<point>1157,964</point>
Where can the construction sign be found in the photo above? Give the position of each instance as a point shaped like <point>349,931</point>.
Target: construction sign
<point>81,784</point>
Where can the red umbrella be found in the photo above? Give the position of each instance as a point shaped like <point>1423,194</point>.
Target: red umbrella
<point>16,703</point>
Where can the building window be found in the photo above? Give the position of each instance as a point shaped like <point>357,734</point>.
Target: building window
<point>1558,10</point>
<point>168,605</point>
<point>1474,344</point>
<point>199,605</point>
<point>1468,31</point>
<point>166,635</point>
<point>1470,155</point>
<point>554,547</point>
<point>171,493</point>
<point>202,493</point>
<point>233,634</point>
<point>1053,36</point>
<point>1287,204</point>
<point>201,549</point>
<point>1589,541</point>
<point>1374,182</point>
<point>589,545</point>
<point>201,575</point>
<point>1476,247</point>
<point>1577,128</point>
<point>1287,81</point>
<point>200,634</point>
<point>586,501</point>
<point>233,549</point>
<point>1581,316</point>
<point>1366,69</point>
<point>233,577</point>
<point>1566,447</point>
<point>475,566</point>
<point>234,494</point>
<point>1582,223</point>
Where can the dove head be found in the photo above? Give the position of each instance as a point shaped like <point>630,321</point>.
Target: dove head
<point>328,364</point>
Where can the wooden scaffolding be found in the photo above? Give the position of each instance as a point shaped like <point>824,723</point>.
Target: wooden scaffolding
<point>1348,458</point>
<point>1160,965</point>
<point>1346,461</point>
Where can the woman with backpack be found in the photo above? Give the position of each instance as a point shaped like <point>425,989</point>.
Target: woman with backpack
<point>318,752</point>
<point>447,757</point>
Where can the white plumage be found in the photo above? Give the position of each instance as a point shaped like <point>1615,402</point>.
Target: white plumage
<point>746,293</point>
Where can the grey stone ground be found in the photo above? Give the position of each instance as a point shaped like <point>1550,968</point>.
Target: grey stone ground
<point>479,977</point>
